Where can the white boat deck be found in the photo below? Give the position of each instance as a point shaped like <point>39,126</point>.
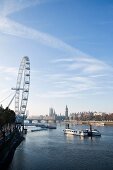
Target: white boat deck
<point>84,133</point>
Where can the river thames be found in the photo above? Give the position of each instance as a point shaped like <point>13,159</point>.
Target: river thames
<point>52,150</point>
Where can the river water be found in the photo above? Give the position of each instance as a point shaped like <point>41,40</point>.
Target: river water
<point>52,150</point>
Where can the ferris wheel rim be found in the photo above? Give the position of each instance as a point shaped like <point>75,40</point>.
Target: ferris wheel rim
<point>23,73</point>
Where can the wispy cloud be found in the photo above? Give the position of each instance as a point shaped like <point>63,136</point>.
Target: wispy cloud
<point>9,7</point>
<point>57,94</point>
<point>8,70</point>
<point>86,70</point>
<point>84,64</point>
<point>67,85</point>
<point>10,27</point>
<point>78,75</point>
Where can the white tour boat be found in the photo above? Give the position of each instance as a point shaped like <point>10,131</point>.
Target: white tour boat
<point>94,132</point>
<point>84,132</point>
<point>87,132</point>
<point>70,131</point>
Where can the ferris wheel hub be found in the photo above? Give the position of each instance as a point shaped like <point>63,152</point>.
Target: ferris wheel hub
<point>16,88</point>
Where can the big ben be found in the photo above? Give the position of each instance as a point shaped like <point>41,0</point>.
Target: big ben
<point>66,113</point>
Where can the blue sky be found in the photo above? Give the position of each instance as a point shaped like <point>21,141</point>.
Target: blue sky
<point>69,43</point>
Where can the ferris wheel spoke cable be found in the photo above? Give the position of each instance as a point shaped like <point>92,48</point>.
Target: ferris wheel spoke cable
<point>7,97</point>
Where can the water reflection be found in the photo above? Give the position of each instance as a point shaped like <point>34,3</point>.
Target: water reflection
<point>69,137</point>
<point>91,138</point>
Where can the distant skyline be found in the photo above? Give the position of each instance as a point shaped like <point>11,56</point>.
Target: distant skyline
<point>70,46</point>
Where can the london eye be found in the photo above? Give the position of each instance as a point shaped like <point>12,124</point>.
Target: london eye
<point>22,88</point>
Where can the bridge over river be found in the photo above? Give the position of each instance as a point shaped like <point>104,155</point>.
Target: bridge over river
<point>39,120</point>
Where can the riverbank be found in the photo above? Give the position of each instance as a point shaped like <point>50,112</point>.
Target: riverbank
<point>108,123</point>
<point>7,150</point>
